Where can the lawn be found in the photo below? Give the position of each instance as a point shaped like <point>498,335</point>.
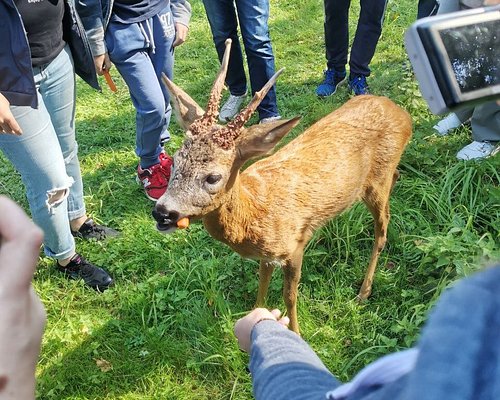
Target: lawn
<point>165,330</point>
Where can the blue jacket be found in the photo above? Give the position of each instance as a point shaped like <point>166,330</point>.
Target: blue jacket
<point>16,73</point>
<point>456,358</point>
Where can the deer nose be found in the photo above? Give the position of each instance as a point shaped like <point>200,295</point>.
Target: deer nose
<point>165,217</point>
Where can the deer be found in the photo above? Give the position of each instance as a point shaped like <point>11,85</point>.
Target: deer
<point>269,210</point>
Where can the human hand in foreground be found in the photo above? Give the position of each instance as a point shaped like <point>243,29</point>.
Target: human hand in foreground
<point>22,316</point>
<point>181,32</point>
<point>8,123</point>
<point>243,327</point>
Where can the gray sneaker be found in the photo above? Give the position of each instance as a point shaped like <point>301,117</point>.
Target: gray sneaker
<point>447,124</point>
<point>270,119</point>
<point>478,150</point>
<point>231,107</point>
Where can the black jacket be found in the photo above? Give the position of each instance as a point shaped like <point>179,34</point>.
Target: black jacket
<point>16,73</point>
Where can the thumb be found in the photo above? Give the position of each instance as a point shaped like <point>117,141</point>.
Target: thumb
<point>20,245</point>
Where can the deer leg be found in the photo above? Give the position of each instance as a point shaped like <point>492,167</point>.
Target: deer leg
<point>395,177</point>
<point>291,272</point>
<point>265,273</point>
<point>378,204</point>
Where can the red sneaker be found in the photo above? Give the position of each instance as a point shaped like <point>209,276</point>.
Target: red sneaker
<point>166,163</point>
<point>153,180</point>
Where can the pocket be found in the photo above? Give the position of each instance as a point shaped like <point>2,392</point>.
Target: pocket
<point>108,39</point>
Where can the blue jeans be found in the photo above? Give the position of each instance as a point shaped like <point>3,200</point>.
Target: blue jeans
<point>253,19</point>
<point>46,154</point>
<point>141,52</point>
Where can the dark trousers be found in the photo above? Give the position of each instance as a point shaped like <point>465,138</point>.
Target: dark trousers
<point>365,40</point>
<point>426,8</point>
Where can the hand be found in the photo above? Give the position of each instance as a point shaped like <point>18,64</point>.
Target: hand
<point>102,63</point>
<point>8,123</point>
<point>181,32</point>
<point>22,316</point>
<point>243,327</point>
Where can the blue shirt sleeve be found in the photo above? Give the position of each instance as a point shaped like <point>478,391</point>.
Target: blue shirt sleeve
<point>283,366</point>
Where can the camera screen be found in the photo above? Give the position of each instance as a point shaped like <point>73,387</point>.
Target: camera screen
<point>474,54</point>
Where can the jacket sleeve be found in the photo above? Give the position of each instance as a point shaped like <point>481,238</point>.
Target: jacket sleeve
<point>283,366</point>
<point>181,11</point>
<point>91,14</point>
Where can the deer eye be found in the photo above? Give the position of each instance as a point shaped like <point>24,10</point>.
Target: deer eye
<point>212,179</point>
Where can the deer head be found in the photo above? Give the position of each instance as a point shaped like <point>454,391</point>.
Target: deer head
<point>208,162</point>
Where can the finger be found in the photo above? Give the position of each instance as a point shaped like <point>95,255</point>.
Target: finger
<point>10,126</point>
<point>14,127</point>
<point>4,127</point>
<point>20,245</point>
<point>107,64</point>
<point>276,313</point>
<point>285,321</point>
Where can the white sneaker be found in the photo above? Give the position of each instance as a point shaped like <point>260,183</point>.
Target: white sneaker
<point>270,119</point>
<point>231,107</point>
<point>448,123</point>
<point>477,150</point>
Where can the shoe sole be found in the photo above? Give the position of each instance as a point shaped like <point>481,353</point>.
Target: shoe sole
<point>335,91</point>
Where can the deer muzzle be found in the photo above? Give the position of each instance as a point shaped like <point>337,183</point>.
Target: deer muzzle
<point>166,221</point>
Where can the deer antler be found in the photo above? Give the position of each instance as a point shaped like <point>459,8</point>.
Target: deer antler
<point>226,136</point>
<point>210,116</point>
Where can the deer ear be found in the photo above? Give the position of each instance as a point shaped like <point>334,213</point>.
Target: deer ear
<point>186,109</point>
<point>260,139</point>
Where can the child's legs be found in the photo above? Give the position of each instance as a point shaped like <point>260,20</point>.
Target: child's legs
<point>163,58</point>
<point>223,22</point>
<point>129,49</point>
<point>253,17</point>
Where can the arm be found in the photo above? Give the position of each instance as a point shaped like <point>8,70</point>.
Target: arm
<point>91,14</point>
<point>22,317</point>
<point>282,365</point>
<point>181,13</point>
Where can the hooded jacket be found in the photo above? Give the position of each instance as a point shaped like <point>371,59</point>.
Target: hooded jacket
<point>96,14</point>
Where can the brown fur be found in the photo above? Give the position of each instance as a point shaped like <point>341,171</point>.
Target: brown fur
<point>270,210</point>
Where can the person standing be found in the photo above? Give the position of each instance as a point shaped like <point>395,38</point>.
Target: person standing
<point>253,16</point>
<point>37,125</point>
<point>485,117</point>
<point>139,38</point>
<point>363,47</point>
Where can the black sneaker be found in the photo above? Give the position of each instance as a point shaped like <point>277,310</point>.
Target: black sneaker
<point>80,268</point>
<point>91,230</point>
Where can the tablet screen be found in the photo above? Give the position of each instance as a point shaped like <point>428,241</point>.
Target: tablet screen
<point>474,54</point>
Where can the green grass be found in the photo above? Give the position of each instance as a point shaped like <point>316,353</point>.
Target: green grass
<point>165,330</point>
